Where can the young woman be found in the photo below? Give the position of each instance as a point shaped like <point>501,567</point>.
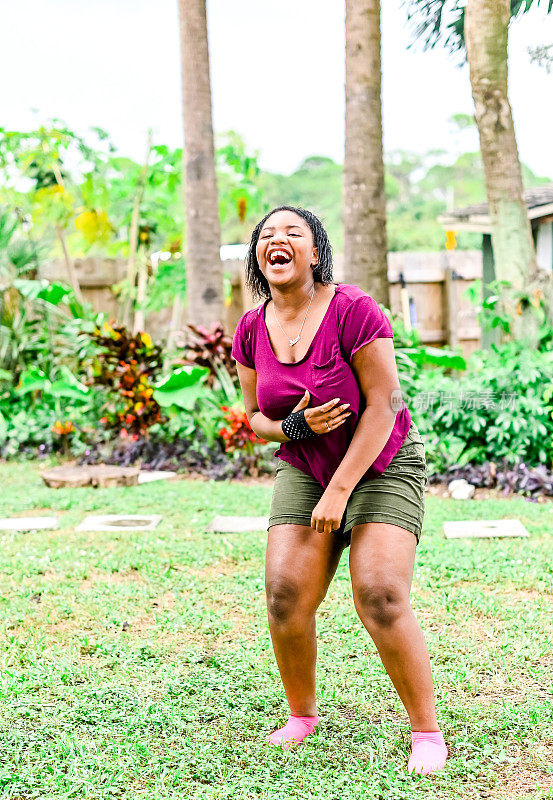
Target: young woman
<point>317,369</point>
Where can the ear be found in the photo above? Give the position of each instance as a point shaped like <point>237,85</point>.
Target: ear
<point>316,256</point>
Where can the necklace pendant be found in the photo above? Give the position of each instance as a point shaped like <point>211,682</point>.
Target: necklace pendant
<point>294,341</point>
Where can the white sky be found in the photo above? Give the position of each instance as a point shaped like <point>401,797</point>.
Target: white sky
<point>116,65</point>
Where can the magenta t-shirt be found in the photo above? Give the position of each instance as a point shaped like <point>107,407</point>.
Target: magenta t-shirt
<point>352,320</point>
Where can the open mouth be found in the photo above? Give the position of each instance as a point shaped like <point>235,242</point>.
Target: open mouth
<point>279,257</point>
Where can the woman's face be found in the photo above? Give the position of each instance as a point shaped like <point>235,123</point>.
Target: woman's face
<point>285,248</point>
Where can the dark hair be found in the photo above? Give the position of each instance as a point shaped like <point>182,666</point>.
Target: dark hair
<point>322,271</point>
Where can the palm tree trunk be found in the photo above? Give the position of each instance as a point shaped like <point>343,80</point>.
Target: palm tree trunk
<point>204,272</point>
<point>486,35</point>
<point>365,247</point>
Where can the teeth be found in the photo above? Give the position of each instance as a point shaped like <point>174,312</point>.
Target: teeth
<point>276,253</point>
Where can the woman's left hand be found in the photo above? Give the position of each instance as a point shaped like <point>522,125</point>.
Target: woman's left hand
<point>327,514</point>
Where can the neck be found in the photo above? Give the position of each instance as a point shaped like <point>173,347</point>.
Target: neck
<point>291,301</point>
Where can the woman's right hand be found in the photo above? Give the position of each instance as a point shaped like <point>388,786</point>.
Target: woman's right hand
<point>317,417</point>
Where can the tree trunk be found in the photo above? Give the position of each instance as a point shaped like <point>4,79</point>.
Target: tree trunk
<point>486,35</point>
<point>133,234</point>
<point>70,265</point>
<point>365,249</point>
<point>204,271</point>
<point>142,271</point>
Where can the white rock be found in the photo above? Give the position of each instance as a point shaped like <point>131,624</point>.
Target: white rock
<point>147,476</point>
<point>461,489</point>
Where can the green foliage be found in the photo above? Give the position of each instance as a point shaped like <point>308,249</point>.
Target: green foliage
<point>168,282</point>
<point>241,200</point>
<point>57,198</point>
<point>501,408</point>
<point>412,356</point>
<point>181,388</point>
<point>67,385</point>
<point>29,414</point>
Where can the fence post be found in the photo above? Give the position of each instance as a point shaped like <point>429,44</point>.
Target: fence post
<point>450,306</point>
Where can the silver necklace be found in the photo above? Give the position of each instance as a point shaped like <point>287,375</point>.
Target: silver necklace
<point>298,337</point>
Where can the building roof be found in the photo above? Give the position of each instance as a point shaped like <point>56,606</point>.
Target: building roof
<point>539,202</point>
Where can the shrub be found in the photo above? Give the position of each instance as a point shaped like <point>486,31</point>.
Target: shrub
<point>126,365</point>
<point>502,408</point>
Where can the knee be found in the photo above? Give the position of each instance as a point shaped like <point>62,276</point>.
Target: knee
<point>380,603</point>
<point>283,599</point>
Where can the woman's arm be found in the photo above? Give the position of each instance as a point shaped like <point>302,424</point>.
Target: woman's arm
<point>374,365</point>
<point>265,428</point>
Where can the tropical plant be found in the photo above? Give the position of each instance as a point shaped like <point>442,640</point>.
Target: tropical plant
<point>500,409</point>
<point>237,433</point>
<point>211,348</point>
<point>126,366</point>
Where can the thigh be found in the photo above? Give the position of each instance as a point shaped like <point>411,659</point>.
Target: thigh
<point>301,561</point>
<point>297,554</point>
<point>382,555</point>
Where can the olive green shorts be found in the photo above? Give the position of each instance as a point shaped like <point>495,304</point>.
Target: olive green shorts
<point>396,496</point>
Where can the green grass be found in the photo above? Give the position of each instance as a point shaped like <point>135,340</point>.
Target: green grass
<point>139,665</point>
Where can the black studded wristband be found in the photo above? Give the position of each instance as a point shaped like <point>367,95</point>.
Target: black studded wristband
<point>295,426</point>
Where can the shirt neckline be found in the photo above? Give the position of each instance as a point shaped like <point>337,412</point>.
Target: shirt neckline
<point>323,322</point>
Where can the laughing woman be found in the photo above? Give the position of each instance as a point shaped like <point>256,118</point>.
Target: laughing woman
<point>318,374</point>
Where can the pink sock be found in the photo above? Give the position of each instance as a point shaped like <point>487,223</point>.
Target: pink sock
<point>295,730</point>
<point>428,752</point>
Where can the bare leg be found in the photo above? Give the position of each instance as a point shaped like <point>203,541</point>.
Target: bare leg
<point>300,564</point>
<point>381,560</point>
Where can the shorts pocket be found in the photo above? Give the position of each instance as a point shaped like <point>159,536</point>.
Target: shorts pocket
<point>411,455</point>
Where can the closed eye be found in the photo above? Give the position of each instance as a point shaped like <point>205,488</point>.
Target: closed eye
<point>268,235</point>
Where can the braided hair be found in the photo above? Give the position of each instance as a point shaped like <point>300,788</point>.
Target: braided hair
<point>322,271</point>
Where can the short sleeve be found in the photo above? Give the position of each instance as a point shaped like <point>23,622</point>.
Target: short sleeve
<point>363,322</point>
<point>242,343</point>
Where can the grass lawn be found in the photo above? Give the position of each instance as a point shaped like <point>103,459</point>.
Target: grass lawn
<point>139,664</point>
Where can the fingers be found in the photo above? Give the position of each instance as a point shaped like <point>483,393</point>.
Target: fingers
<point>334,422</point>
<point>328,406</point>
<point>326,527</point>
<point>338,410</point>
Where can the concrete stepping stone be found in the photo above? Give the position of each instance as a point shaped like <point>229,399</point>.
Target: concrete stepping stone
<point>149,476</point>
<point>484,528</point>
<point>28,523</point>
<point>119,522</point>
<point>222,524</point>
